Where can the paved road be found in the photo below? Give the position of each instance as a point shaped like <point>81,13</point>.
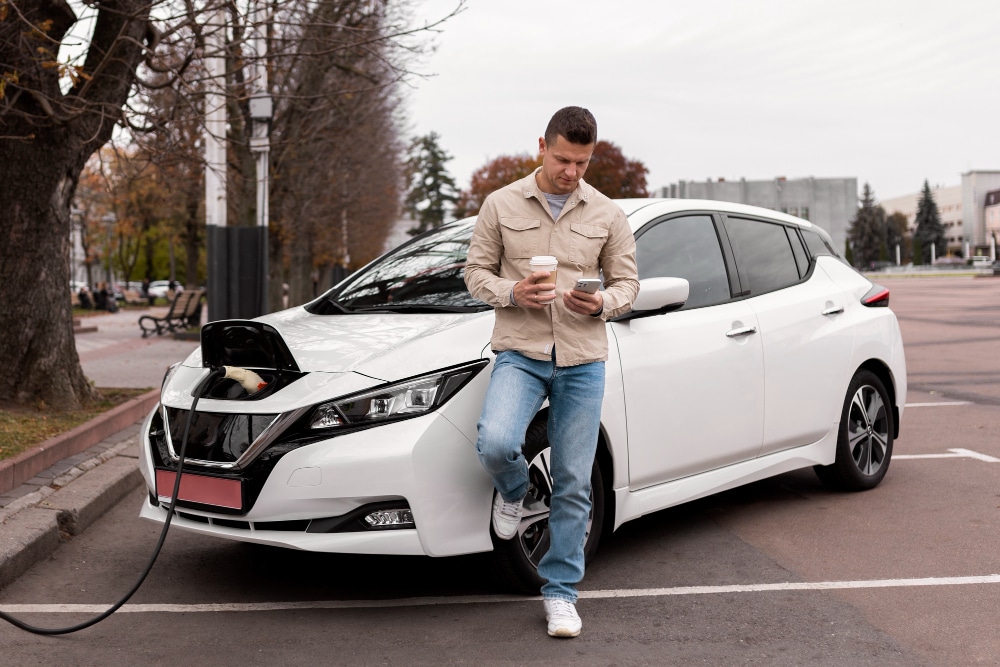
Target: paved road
<point>781,572</point>
<point>116,356</point>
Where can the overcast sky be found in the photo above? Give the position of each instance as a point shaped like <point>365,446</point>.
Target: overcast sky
<point>888,91</point>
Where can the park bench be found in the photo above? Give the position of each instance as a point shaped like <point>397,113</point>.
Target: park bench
<point>133,298</point>
<point>184,310</point>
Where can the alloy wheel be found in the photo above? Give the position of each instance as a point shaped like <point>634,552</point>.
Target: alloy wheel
<point>868,430</point>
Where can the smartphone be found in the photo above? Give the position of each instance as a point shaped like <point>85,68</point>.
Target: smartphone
<point>588,285</point>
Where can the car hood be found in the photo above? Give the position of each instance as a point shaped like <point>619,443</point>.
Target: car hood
<point>384,346</point>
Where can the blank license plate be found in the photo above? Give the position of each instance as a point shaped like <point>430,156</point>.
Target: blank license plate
<point>200,489</point>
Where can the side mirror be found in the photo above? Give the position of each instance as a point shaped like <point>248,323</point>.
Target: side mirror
<point>657,296</point>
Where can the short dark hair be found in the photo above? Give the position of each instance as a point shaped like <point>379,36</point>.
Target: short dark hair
<point>576,124</point>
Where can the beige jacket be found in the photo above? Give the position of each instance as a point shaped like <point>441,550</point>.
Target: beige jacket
<point>590,237</point>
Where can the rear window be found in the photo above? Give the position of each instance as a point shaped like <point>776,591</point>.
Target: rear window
<point>763,253</point>
<point>817,244</point>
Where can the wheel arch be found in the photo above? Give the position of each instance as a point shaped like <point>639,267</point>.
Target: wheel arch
<point>607,464</point>
<point>882,372</point>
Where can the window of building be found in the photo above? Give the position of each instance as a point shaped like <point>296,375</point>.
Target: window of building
<point>804,212</point>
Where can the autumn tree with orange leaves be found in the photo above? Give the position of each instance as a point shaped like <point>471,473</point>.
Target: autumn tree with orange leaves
<point>493,175</point>
<point>609,171</point>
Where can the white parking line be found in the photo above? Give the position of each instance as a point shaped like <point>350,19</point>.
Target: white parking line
<point>496,599</point>
<point>937,405</point>
<point>953,454</point>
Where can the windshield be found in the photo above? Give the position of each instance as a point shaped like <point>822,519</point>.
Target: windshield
<point>424,275</point>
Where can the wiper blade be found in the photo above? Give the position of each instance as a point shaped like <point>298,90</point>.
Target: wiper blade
<point>419,308</point>
<point>327,306</point>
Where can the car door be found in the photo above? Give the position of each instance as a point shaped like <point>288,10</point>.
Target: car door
<point>807,338</point>
<point>693,378</point>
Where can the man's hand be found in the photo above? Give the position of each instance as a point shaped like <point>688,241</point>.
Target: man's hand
<point>583,302</point>
<point>526,291</point>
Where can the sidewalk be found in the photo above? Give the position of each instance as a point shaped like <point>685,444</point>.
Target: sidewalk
<point>62,486</point>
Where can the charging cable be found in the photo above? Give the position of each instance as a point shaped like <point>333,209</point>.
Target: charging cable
<point>199,391</point>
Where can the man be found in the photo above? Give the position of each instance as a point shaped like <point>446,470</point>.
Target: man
<point>550,346</point>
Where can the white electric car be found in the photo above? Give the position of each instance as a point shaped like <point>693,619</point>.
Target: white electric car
<point>752,350</point>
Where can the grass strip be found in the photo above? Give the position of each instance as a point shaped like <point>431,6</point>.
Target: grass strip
<point>22,428</point>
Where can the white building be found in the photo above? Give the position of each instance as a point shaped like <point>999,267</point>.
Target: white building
<point>976,185</point>
<point>991,214</point>
<point>965,212</point>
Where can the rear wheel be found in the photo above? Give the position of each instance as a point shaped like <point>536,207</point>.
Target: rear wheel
<point>864,443</point>
<point>517,559</point>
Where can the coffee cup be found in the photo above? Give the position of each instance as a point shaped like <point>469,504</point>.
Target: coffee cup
<point>545,263</point>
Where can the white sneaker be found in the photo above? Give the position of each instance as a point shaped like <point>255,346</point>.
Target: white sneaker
<point>562,617</point>
<point>506,516</point>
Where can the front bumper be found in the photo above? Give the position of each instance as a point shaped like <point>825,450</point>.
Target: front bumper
<point>426,462</point>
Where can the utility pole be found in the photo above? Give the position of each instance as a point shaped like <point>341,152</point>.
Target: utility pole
<point>260,144</point>
<point>215,168</point>
<point>237,255</point>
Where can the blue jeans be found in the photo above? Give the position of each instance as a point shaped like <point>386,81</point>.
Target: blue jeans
<point>518,387</point>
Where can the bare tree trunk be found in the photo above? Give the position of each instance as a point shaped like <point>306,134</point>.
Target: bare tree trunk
<point>48,137</point>
<point>192,244</point>
<point>40,362</point>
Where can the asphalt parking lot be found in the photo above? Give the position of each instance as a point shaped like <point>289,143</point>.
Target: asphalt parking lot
<point>781,572</point>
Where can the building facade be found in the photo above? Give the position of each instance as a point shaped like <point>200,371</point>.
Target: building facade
<point>830,203</point>
<point>970,213</point>
<point>991,215</point>
<point>976,186</point>
<point>949,203</point>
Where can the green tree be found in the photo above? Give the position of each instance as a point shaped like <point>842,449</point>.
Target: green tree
<point>929,230</point>
<point>918,251</point>
<point>432,189</point>
<point>867,230</point>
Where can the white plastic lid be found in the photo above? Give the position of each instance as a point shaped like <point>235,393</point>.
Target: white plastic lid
<point>544,260</point>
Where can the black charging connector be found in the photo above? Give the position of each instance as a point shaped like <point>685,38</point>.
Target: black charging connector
<point>199,391</point>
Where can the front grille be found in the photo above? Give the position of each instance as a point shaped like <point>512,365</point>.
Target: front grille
<point>221,437</point>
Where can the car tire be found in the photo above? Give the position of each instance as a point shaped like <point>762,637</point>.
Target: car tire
<point>516,560</point>
<point>865,437</point>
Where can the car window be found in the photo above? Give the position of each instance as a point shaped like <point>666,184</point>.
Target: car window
<point>801,258</point>
<point>817,244</point>
<point>686,247</point>
<point>763,254</point>
<point>429,271</point>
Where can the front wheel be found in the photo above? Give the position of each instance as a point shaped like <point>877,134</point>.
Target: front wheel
<point>864,443</point>
<point>517,558</point>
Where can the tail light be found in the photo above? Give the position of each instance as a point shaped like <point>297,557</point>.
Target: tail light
<point>877,297</point>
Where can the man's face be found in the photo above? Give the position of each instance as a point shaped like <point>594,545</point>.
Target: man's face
<point>563,165</point>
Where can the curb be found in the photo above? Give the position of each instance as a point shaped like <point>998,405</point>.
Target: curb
<point>34,526</point>
<point>24,466</point>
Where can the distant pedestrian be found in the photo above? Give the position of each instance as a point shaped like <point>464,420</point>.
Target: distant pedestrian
<point>85,300</point>
<point>101,296</point>
<point>145,292</point>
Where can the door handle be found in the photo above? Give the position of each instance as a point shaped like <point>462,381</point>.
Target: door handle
<point>742,331</point>
<point>834,310</point>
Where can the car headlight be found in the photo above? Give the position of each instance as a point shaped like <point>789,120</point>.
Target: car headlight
<point>169,374</point>
<point>408,398</point>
